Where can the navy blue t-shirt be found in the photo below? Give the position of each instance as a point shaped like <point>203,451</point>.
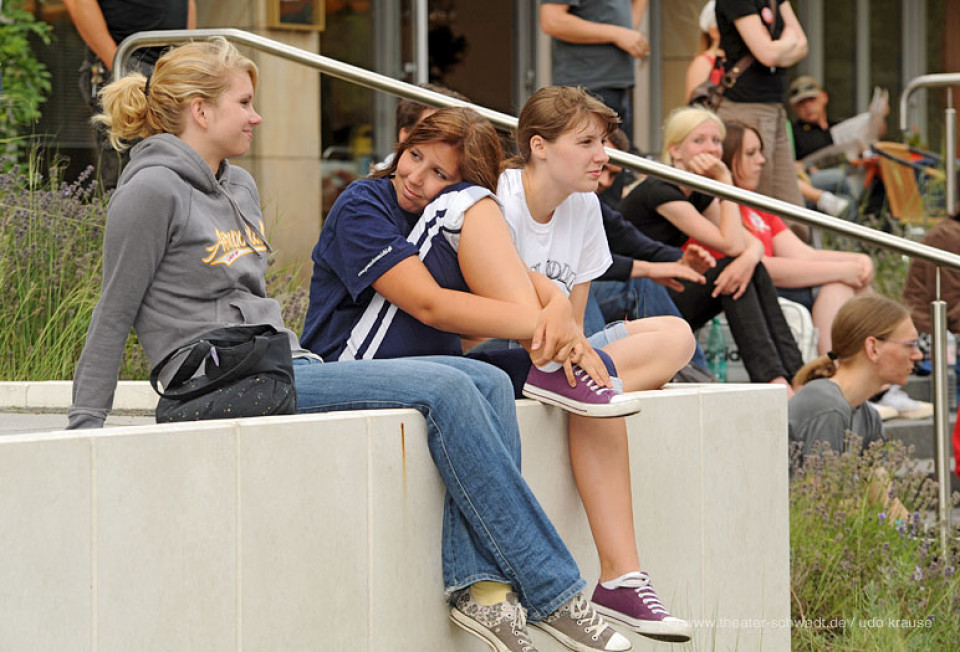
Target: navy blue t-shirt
<point>365,235</point>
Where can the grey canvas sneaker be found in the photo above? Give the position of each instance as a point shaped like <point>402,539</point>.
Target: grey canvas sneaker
<point>503,625</point>
<point>579,627</point>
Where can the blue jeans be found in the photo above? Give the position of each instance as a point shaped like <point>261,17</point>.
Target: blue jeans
<point>634,299</point>
<point>493,526</point>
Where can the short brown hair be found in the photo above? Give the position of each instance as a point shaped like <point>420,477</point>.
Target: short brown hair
<point>472,135</point>
<point>553,110</point>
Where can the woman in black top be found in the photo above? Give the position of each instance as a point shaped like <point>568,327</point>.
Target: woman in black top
<point>739,285</point>
<point>770,32</point>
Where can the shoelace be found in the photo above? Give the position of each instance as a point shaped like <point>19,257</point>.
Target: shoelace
<point>583,613</point>
<point>519,624</point>
<point>646,593</point>
<point>585,378</point>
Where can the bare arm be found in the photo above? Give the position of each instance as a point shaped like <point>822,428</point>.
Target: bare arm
<point>666,274</point>
<point>410,286</point>
<point>796,264</point>
<point>492,268</point>
<point>557,21</point>
<point>790,48</point>
<point>697,72</point>
<point>89,21</point>
<point>724,233</point>
<point>639,9</point>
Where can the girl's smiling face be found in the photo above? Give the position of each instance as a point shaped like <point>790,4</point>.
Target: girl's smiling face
<point>706,138</point>
<point>422,172</point>
<point>231,119</point>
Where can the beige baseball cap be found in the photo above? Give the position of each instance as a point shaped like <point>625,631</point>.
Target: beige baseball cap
<point>802,88</point>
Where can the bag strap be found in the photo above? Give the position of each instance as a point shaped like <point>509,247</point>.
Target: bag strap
<point>730,76</point>
<point>190,365</point>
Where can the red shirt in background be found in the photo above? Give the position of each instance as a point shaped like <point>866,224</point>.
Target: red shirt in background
<point>763,226</point>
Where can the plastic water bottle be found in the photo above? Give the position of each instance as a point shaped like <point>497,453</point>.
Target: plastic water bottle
<point>716,352</point>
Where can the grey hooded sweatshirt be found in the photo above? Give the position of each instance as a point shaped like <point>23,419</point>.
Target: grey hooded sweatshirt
<point>183,253</point>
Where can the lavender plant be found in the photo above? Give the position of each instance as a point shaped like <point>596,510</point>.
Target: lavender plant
<point>51,234</point>
<point>866,575</point>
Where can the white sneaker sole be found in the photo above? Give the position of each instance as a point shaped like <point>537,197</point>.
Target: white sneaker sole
<point>473,627</point>
<point>669,631</point>
<point>622,405</point>
<point>571,644</point>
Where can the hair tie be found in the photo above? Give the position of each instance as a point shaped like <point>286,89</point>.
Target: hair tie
<point>833,356</point>
<point>146,87</point>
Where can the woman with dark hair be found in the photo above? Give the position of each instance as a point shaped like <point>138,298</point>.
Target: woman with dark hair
<point>874,345</point>
<point>796,268</point>
<point>185,253</point>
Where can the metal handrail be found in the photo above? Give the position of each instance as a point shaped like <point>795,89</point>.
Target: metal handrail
<point>375,81</point>
<point>938,80</point>
<point>938,308</point>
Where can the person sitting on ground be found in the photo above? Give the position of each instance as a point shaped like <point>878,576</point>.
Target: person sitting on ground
<point>828,189</point>
<point>635,285</point>
<point>739,285</point>
<point>797,269</point>
<point>180,199</point>
<point>708,63</point>
<point>419,254</point>
<point>548,193</point>
<point>874,344</point>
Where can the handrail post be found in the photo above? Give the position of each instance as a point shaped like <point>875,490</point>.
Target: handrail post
<point>951,158</point>
<point>941,415</point>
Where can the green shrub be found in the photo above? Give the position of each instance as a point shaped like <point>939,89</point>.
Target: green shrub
<point>52,236</point>
<point>25,81</point>
<point>862,576</point>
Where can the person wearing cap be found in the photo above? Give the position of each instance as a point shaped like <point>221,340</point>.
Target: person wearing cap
<point>827,190</point>
<point>811,129</point>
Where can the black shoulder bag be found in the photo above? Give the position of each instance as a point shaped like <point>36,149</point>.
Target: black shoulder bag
<point>247,372</point>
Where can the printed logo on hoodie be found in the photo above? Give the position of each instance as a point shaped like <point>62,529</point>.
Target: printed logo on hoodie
<point>231,245</point>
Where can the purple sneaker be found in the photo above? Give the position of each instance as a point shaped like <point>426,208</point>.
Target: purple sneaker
<point>587,398</point>
<point>638,607</point>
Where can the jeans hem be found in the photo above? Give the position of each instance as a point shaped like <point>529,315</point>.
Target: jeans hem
<point>533,614</point>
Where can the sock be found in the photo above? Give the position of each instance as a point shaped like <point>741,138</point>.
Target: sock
<point>623,580</point>
<point>550,367</point>
<point>489,593</point>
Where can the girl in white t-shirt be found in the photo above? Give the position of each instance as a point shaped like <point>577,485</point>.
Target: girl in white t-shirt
<point>550,204</point>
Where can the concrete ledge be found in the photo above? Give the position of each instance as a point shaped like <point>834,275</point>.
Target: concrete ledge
<point>57,395</point>
<point>321,532</point>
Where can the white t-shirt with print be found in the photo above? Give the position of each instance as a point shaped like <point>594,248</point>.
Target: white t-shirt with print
<point>571,248</point>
